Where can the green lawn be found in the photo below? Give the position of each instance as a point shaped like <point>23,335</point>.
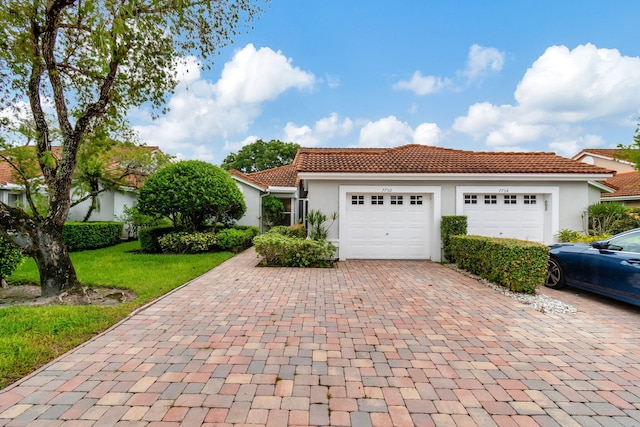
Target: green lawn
<point>32,336</point>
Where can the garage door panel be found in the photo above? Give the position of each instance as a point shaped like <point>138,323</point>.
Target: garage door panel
<point>520,220</point>
<point>388,231</point>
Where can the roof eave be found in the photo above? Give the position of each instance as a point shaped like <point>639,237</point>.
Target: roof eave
<point>454,176</point>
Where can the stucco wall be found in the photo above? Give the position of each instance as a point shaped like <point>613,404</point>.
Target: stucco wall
<point>253,201</point>
<point>572,198</point>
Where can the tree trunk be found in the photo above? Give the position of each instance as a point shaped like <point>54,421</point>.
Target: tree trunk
<point>57,273</point>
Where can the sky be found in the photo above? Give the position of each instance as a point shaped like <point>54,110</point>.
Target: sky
<point>492,75</point>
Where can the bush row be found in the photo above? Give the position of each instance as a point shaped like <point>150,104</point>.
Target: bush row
<point>519,265</point>
<point>284,251</point>
<point>80,236</point>
<point>165,239</point>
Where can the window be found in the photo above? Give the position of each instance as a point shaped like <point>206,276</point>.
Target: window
<point>490,199</point>
<point>510,199</point>
<point>470,199</point>
<point>396,200</point>
<point>529,199</point>
<point>377,200</point>
<point>415,200</point>
<point>357,200</point>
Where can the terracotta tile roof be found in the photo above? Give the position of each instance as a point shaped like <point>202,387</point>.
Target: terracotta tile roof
<point>610,153</point>
<point>246,177</point>
<point>626,184</point>
<point>284,176</point>
<point>436,160</point>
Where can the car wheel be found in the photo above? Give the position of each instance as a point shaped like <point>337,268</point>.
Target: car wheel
<point>555,276</point>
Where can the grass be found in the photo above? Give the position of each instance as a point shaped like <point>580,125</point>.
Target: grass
<point>32,336</point>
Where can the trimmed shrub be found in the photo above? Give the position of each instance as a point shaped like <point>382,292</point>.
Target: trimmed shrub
<point>184,242</point>
<point>574,236</point>
<point>236,239</point>
<point>518,265</point>
<point>451,226</point>
<point>297,230</point>
<point>629,221</point>
<point>149,238</point>
<point>282,251</point>
<point>10,258</point>
<point>81,236</point>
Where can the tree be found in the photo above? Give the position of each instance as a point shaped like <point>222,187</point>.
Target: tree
<point>261,155</point>
<point>631,152</point>
<point>105,164</point>
<point>192,193</point>
<point>91,60</point>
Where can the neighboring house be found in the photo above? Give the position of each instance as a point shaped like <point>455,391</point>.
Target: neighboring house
<point>624,187</point>
<point>390,200</point>
<point>111,203</point>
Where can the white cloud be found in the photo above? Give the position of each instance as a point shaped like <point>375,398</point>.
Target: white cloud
<point>427,134</point>
<point>236,146</point>
<point>560,96</point>
<point>323,130</point>
<point>391,132</point>
<point>580,84</point>
<point>482,60</point>
<point>258,75</point>
<point>203,112</point>
<point>423,85</point>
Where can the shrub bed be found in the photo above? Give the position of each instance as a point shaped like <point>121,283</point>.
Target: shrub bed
<point>236,239</point>
<point>297,230</point>
<point>278,250</point>
<point>519,265</point>
<point>80,236</point>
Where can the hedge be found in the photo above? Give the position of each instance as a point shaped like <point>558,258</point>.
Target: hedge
<point>186,242</point>
<point>519,265</point>
<point>282,251</point>
<point>80,236</point>
<point>450,226</point>
<point>236,239</point>
<point>149,238</point>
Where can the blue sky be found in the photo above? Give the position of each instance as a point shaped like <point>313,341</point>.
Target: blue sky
<point>479,75</point>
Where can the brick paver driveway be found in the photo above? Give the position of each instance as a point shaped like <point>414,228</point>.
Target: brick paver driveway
<point>368,343</point>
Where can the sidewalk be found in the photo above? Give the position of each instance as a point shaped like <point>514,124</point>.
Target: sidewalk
<point>369,343</point>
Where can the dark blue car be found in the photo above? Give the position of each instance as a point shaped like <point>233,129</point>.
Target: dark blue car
<point>610,267</point>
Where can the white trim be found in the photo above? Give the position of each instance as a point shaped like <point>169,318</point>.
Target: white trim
<point>283,189</point>
<point>585,153</point>
<point>552,192</point>
<point>436,207</point>
<point>621,198</point>
<point>248,183</point>
<point>602,187</point>
<point>452,176</point>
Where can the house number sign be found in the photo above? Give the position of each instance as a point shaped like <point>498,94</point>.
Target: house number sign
<point>387,190</point>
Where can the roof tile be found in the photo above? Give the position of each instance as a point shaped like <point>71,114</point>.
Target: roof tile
<point>626,184</point>
<point>435,160</point>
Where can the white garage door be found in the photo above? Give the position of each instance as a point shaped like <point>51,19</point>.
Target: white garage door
<point>518,216</point>
<point>388,226</point>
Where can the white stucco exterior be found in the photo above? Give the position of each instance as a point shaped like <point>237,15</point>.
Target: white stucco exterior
<point>562,199</point>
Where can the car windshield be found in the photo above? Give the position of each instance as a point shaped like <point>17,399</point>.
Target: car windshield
<point>627,243</point>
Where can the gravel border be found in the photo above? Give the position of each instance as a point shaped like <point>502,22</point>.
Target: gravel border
<point>539,302</point>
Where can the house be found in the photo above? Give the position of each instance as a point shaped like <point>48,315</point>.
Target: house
<point>624,187</point>
<point>110,203</point>
<point>390,201</point>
